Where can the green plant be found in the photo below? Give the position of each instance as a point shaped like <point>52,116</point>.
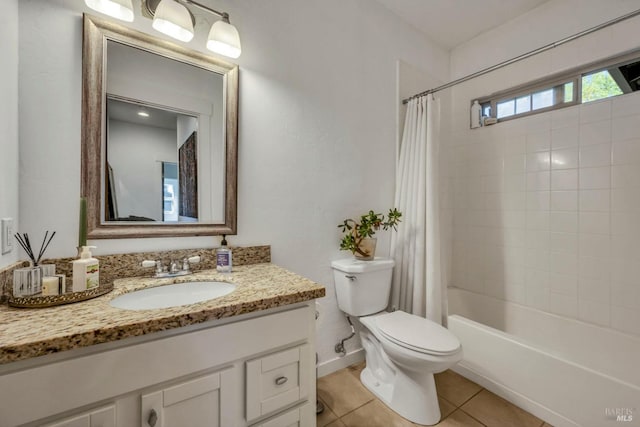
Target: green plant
<point>356,232</point>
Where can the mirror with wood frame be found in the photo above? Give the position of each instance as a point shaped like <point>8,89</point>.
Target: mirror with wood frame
<point>159,136</point>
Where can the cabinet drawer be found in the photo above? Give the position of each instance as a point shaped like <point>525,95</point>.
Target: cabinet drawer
<point>102,417</point>
<point>295,417</point>
<point>277,380</point>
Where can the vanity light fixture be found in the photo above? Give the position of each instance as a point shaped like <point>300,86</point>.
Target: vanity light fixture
<point>173,18</point>
<point>119,9</point>
<point>143,113</point>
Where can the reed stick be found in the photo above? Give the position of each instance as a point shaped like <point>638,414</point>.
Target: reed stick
<point>25,242</point>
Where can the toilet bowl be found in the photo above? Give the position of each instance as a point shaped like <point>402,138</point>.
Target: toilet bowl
<point>402,350</point>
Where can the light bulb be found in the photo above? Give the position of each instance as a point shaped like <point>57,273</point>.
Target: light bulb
<point>224,39</point>
<point>119,9</point>
<point>173,19</point>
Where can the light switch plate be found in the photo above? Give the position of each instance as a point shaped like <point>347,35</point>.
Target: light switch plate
<point>7,235</point>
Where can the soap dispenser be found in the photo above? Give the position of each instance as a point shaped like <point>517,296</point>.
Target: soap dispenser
<point>86,271</point>
<point>223,257</point>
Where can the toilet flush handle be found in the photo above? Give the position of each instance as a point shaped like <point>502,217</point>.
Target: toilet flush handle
<point>350,277</point>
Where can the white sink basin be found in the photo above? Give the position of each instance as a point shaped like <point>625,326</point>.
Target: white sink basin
<point>172,295</point>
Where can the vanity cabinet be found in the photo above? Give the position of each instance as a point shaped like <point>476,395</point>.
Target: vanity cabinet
<point>101,417</point>
<point>302,416</point>
<point>252,370</point>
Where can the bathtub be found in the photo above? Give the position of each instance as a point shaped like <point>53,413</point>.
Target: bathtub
<point>567,372</point>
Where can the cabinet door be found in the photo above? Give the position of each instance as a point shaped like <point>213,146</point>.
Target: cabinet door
<point>296,417</point>
<point>206,401</point>
<point>102,417</point>
<point>277,380</point>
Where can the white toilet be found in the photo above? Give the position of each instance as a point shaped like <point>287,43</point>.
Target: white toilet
<point>402,350</point>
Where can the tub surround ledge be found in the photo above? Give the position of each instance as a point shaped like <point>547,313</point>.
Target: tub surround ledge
<point>28,333</point>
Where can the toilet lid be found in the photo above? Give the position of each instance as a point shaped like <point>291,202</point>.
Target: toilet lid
<point>417,333</point>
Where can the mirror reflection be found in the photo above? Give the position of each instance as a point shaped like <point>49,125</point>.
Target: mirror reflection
<point>165,142</point>
<point>152,164</point>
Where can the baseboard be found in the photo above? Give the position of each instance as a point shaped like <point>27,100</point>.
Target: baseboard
<point>330,366</point>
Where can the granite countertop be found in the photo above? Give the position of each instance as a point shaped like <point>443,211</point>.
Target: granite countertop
<point>27,333</point>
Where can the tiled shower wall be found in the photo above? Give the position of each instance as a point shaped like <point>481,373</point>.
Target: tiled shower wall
<point>547,212</point>
<point>546,209</point>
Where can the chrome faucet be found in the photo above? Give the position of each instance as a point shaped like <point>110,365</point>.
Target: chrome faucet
<point>173,269</point>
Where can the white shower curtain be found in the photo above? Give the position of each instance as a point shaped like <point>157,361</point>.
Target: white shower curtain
<point>418,282</point>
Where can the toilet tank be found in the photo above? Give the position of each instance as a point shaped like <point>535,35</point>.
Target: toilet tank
<point>362,287</point>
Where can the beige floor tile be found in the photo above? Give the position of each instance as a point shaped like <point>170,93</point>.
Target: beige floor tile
<point>342,392</point>
<point>326,417</point>
<point>446,407</point>
<point>459,419</point>
<point>375,414</point>
<point>494,411</point>
<point>455,388</point>
<point>336,423</point>
<point>356,369</point>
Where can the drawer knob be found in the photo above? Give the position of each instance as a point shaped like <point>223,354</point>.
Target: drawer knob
<point>153,418</point>
<point>281,380</point>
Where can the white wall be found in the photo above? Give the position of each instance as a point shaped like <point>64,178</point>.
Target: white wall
<point>411,80</point>
<point>137,172</point>
<point>9,121</point>
<point>317,127</point>
<point>562,238</point>
<point>49,129</point>
<point>546,24</point>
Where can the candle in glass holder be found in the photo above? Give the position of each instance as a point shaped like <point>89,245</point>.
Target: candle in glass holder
<point>50,285</point>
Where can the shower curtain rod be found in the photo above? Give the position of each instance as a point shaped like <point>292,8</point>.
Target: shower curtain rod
<point>524,56</point>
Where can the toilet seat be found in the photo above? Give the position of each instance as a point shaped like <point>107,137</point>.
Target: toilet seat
<point>417,333</point>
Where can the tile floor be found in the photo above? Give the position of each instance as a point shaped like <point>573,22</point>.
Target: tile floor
<point>463,404</point>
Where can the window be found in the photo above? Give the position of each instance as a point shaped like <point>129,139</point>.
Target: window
<point>568,92</point>
<point>613,77</point>
<point>540,99</point>
<point>599,85</point>
<point>523,104</point>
